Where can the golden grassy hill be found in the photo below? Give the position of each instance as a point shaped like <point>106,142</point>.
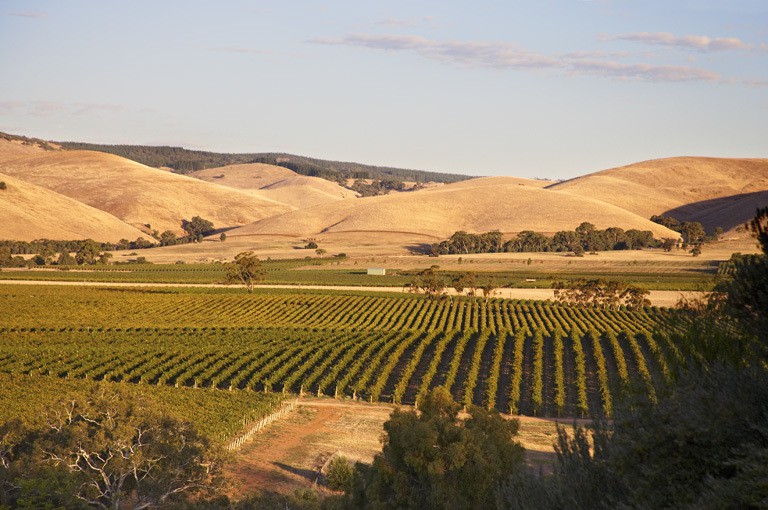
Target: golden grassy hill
<point>277,183</point>
<point>482,182</point>
<point>716,191</point>
<point>135,193</point>
<point>493,203</point>
<point>250,176</point>
<point>30,212</point>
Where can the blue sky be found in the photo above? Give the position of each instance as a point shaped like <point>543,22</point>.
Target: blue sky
<point>553,88</point>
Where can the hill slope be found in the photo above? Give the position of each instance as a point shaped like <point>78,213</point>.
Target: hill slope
<point>488,204</point>
<point>185,161</point>
<point>30,212</point>
<point>716,191</point>
<point>134,193</point>
<point>276,183</point>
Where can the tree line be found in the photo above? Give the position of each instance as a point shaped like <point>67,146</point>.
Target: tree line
<point>583,238</point>
<point>88,251</point>
<point>185,161</point>
<point>692,232</point>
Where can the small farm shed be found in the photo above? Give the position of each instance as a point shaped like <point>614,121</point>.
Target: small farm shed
<point>378,271</point>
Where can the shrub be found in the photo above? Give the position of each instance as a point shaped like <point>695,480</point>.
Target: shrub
<point>3,185</point>
<point>340,474</point>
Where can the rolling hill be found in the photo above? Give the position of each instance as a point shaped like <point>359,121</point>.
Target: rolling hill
<point>267,199</point>
<point>134,193</point>
<point>720,192</point>
<point>276,183</point>
<point>478,205</point>
<point>30,212</point>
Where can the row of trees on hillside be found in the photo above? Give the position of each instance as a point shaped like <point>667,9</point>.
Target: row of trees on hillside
<point>583,238</point>
<point>692,232</point>
<point>88,251</point>
<point>85,253</point>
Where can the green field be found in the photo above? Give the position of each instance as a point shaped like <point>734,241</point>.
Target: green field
<point>528,357</point>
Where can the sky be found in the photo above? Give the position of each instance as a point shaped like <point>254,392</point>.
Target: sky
<point>529,88</point>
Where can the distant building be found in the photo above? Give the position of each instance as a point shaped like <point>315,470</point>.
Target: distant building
<point>378,271</point>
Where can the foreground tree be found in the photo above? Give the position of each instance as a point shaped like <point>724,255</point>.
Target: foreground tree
<point>111,450</point>
<point>745,296</point>
<point>245,269</point>
<point>432,459</point>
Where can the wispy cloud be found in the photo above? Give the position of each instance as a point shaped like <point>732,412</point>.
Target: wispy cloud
<point>695,42</point>
<point>643,72</point>
<point>28,14</point>
<point>482,54</point>
<point>500,55</point>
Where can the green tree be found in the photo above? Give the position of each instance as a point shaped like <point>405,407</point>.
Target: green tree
<point>428,282</point>
<point>745,296</point>
<point>197,228</point>
<point>245,269</point>
<point>88,253</point>
<point>696,250</point>
<point>65,259</point>
<point>488,287</point>
<point>668,243</point>
<point>114,449</point>
<point>433,460</point>
<point>320,252</point>
<point>168,238</point>
<point>223,237</point>
<point>692,232</point>
<point>340,474</point>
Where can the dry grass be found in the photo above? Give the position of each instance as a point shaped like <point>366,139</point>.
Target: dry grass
<point>478,205</point>
<point>277,183</point>
<point>30,212</point>
<point>135,193</point>
<point>662,185</point>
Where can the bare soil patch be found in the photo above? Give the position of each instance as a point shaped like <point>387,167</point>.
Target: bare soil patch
<point>289,454</point>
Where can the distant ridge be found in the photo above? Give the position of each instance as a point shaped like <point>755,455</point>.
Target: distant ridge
<point>183,161</point>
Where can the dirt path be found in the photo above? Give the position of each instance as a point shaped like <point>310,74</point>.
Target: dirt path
<point>657,297</point>
<point>288,455</point>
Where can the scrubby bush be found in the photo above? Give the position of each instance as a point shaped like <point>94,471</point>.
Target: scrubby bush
<point>340,474</point>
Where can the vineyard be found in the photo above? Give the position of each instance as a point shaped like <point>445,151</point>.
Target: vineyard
<point>532,358</point>
<point>219,415</point>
